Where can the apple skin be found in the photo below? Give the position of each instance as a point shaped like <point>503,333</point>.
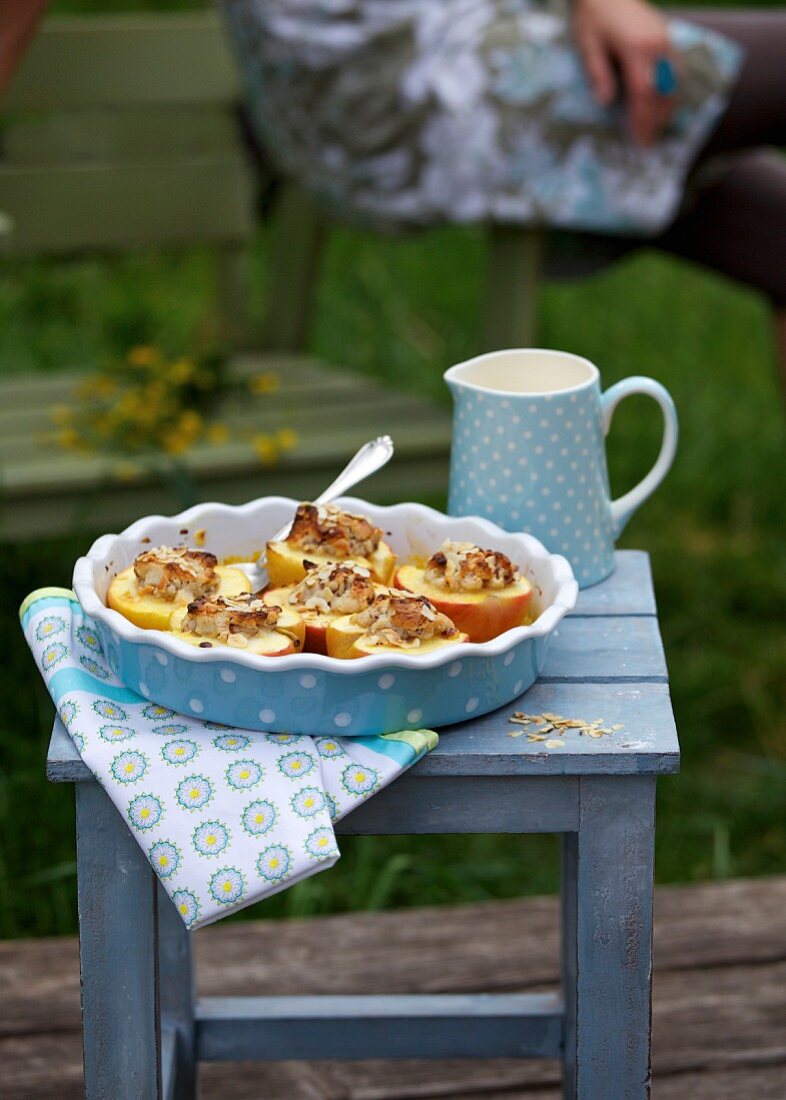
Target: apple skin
<point>480,615</point>
<point>285,563</point>
<point>347,642</point>
<point>151,612</point>
<point>273,644</point>
<point>315,623</point>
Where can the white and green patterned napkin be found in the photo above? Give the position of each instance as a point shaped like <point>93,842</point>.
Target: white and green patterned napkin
<point>225,816</point>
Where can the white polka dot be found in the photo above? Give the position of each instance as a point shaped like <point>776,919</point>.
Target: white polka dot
<point>143,688</point>
<point>554,532</point>
<point>387,680</point>
<point>162,659</point>
<point>472,705</point>
<point>519,684</point>
<point>414,716</point>
<point>509,659</point>
<point>528,435</point>
<point>514,515</point>
<point>538,450</point>
<point>496,456</point>
<point>553,438</point>
<point>307,681</point>
<point>342,719</point>
<point>507,471</point>
<point>516,419</point>
<point>573,397</point>
<point>228,676</point>
<point>490,413</point>
<point>533,408</point>
<point>557,506</point>
<point>568,424</point>
<point>500,430</point>
<point>196,705</point>
<point>267,715</point>
<point>455,669</point>
<point>560,412</point>
<point>504,404</point>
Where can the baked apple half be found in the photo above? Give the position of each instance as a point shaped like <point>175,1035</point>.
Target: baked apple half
<point>323,533</point>
<point>481,591</point>
<point>163,578</point>
<point>326,593</point>
<point>244,622</point>
<point>396,622</point>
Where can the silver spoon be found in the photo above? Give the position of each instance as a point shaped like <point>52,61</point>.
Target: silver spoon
<point>371,457</point>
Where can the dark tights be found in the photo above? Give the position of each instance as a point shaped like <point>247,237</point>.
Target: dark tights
<point>736,222</point>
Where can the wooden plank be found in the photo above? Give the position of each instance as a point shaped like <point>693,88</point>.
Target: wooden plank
<point>628,591</point>
<point>68,210</point>
<point>463,804</point>
<point>117,60</point>
<point>117,938</point>
<point>602,650</point>
<point>421,437</point>
<point>294,373</point>
<point>160,133</point>
<point>111,507</point>
<point>31,433</point>
<point>477,1025</point>
<point>647,745</point>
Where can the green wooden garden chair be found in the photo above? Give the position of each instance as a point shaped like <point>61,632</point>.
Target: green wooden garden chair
<point>122,133</point>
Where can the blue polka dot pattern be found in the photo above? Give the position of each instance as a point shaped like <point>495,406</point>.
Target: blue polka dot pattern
<point>536,463</point>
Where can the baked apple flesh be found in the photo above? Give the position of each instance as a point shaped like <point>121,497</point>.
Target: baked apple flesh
<point>326,593</point>
<point>396,622</point>
<point>265,634</point>
<point>163,579</point>
<point>481,614</point>
<point>322,534</point>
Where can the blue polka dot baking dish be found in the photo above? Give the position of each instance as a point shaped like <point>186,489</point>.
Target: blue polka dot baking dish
<point>309,693</point>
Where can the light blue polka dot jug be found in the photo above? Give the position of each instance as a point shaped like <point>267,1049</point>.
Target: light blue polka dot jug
<point>529,451</point>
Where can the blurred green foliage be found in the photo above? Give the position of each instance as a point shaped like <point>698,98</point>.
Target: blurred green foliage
<point>404,310</point>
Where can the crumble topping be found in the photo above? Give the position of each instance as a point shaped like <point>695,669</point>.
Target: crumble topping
<point>231,619</point>
<point>168,572</point>
<point>403,620</point>
<point>328,530</point>
<point>334,588</point>
<point>464,567</point>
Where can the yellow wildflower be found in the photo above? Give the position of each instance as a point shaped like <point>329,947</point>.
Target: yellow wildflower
<point>174,443</point>
<point>62,414</point>
<point>267,382</point>
<point>127,471</point>
<point>265,448</point>
<point>97,385</point>
<point>286,439</point>
<point>69,438</point>
<point>143,355</point>
<point>190,424</point>
<point>181,371</point>
<point>218,432</point>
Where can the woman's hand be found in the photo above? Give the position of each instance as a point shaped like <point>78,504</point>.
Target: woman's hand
<point>621,40</point>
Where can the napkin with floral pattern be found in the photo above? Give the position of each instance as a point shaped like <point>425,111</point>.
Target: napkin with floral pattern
<point>225,816</point>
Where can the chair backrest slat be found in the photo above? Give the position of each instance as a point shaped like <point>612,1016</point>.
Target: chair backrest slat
<point>118,61</point>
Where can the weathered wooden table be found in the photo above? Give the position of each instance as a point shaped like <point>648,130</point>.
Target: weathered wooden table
<point>144,1031</point>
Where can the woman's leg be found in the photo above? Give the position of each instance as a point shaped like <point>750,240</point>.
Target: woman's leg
<point>736,221</point>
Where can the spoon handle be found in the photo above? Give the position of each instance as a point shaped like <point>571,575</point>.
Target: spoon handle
<point>371,457</point>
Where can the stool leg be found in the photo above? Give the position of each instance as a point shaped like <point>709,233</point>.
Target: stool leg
<point>117,950</point>
<point>608,1008</point>
<point>569,961</point>
<point>176,980</point>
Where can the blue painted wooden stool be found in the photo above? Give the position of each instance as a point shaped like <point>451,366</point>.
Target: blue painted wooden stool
<point>144,1031</point>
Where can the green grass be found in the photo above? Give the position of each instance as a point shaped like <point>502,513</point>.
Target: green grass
<point>404,310</point>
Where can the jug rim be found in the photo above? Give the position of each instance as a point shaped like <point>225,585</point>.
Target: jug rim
<point>452,374</point>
